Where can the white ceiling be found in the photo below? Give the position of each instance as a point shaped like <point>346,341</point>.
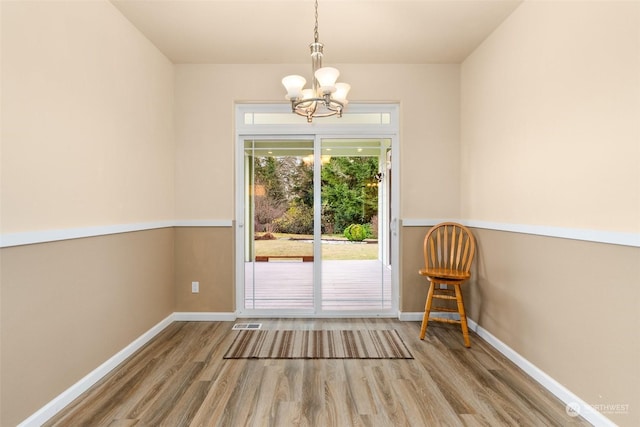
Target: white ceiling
<point>353,31</point>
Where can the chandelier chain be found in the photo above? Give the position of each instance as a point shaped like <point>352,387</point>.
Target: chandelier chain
<point>315,29</point>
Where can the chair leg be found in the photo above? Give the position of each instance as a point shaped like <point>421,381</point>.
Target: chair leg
<point>427,310</point>
<point>463,315</point>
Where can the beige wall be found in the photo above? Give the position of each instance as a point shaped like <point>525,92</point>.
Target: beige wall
<point>550,137</point>
<point>67,307</point>
<point>429,104</point>
<point>87,140</point>
<point>204,255</point>
<point>87,121</point>
<point>550,108</point>
<point>413,291</point>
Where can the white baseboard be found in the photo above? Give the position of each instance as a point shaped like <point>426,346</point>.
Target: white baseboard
<point>203,317</point>
<point>409,316</point>
<point>572,401</point>
<point>417,317</point>
<point>561,392</point>
<point>69,395</point>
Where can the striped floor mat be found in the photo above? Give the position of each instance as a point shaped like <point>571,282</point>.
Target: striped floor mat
<point>318,344</point>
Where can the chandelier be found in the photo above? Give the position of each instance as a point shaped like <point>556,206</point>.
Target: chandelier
<point>326,97</point>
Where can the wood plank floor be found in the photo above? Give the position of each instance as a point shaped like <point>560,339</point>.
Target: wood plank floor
<point>181,379</point>
<point>346,285</point>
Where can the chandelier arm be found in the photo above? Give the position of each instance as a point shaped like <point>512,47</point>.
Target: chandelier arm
<point>327,101</point>
<point>333,105</point>
<point>311,110</point>
<point>309,107</point>
<point>327,114</point>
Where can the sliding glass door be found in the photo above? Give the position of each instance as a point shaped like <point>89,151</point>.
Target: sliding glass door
<point>356,270</point>
<point>316,215</point>
<point>279,225</point>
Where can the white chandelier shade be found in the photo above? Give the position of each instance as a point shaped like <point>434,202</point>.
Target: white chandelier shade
<point>294,85</point>
<point>327,77</point>
<point>342,89</point>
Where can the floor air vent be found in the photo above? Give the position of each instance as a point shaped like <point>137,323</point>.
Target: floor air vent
<point>246,326</point>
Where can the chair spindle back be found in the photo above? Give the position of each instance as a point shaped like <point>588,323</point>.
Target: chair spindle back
<point>449,246</point>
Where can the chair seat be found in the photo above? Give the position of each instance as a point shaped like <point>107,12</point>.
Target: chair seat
<point>444,274</point>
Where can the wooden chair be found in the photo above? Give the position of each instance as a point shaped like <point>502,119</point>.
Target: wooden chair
<point>448,253</point>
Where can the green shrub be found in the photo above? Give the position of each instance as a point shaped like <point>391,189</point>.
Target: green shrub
<point>357,232</point>
<point>298,219</point>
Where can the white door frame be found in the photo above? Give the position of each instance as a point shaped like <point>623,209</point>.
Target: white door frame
<point>361,120</point>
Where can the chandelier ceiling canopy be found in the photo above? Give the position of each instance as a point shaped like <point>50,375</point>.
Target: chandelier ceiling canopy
<point>325,97</point>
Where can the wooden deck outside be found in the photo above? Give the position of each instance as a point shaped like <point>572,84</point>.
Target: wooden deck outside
<point>347,285</point>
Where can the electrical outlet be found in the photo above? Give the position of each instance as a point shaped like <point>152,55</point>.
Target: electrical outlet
<point>195,287</point>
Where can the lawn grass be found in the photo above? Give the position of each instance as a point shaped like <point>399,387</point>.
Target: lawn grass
<point>299,245</point>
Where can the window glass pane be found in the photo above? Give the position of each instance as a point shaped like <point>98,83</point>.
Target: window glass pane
<point>347,118</point>
<point>277,118</point>
<point>358,118</point>
<point>354,146</point>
